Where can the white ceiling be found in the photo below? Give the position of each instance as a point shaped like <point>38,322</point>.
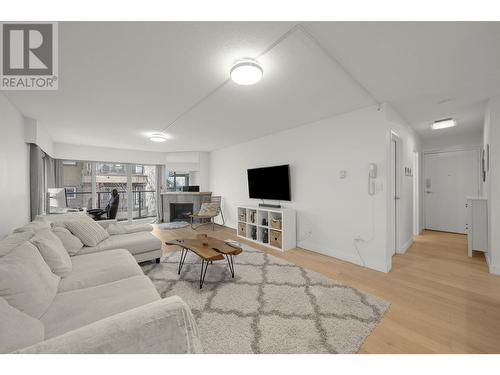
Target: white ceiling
<point>121,81</point>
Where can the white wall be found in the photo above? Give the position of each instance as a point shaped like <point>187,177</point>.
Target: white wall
<point>196,163</point>
<point>331,211</point>
<point>35,133</point>
<point>491,187</point>
<point>441,142</point>
<point>14,169</point>
<point>93,153</point>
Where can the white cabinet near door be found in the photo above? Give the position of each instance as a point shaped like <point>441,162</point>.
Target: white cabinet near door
<point>477,224</point>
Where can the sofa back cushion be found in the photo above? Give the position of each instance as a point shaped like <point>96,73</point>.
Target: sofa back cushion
<point>71,243</point>
<point>116,228</point>
<point>53,252</point>
<point>18,329</point>
<point>26,281</point>
<point>87,230</point>
<point>34,226</point>
<point>13,240</point>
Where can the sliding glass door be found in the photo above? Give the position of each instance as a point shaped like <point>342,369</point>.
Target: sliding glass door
<point>108,177</point>
<point>144,191</point>
<point>77,180</point>
<point>90,185</point>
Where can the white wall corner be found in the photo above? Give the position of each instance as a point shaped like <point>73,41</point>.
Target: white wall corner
<point>35,133</point>
<point>404,247</point>
<point>494,269</point>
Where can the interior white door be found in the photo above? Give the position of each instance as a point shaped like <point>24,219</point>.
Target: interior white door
<point>448,178</point>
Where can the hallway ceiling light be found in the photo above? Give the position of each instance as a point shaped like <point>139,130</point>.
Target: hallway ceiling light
<point>158,137</point>
<point>445,123</point>
<point>246,72</point>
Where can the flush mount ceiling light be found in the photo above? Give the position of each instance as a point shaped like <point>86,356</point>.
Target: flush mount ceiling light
<point>246,72</point>
<point>158,137</point>
<point>445,123</point>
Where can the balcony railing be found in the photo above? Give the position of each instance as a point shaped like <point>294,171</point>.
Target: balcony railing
<point>140,209</point>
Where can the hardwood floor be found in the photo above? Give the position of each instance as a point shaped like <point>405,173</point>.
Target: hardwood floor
<point>441,300</point>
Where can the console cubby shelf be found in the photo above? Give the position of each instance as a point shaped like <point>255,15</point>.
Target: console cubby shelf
<point>279,223</point>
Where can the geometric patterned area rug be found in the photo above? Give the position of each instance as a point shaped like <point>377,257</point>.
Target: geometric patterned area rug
<point>271,306</point>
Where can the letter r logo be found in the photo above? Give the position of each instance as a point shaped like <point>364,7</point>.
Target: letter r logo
<point>27,49</point>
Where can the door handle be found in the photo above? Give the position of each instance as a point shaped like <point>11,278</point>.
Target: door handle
<point>396,197</point>
<point>428,192</point>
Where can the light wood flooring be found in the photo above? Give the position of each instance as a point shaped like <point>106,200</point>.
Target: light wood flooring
<point>441,300</point>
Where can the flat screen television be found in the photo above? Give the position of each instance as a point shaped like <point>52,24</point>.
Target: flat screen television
<point>269,183</point>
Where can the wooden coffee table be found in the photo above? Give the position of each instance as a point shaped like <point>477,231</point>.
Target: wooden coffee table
<point>209,250</point>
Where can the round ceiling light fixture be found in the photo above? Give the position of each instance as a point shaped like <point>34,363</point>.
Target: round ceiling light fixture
<point>158,137</point>
<point>246,72</point>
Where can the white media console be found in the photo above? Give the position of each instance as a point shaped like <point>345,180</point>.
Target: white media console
<point>271,227</point>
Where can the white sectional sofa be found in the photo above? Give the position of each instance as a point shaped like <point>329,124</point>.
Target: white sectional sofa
<point>104,304</point>
<point>142,245</point>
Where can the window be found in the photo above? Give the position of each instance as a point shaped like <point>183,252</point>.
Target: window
<point>111,176</point>
<point>78,178</point>
<point>144,191</point>
<point>176,180</point>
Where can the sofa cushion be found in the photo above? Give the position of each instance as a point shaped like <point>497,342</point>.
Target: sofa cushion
<point>77,308</point>
<point>71,243</point>
<point>60,218</point>
<point>136,243</point>
<point>115,228</point>
<point>53,252</point>
<point>13,240</point>
<point>26,281</point>
<point>18,330</point>
<point>100,268</point>
<point>34,226</point>
<point>87,230</point>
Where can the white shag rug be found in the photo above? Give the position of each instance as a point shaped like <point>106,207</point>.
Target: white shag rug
<point>271,306</point>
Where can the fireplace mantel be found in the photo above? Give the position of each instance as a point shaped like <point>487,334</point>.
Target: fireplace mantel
<point>196,198</point>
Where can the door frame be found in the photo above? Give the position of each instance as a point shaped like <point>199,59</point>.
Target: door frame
<point>477,149</point>
<point>394,230</point>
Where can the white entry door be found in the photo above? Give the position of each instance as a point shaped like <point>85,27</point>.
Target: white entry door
<point>448,178</point>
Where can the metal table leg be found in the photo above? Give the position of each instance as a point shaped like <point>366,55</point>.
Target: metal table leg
<point>184,252</point>
<point>204,267</point>
<point>230,262</point>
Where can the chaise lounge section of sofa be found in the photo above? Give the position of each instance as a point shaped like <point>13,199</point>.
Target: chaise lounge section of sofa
<point>104,305</point>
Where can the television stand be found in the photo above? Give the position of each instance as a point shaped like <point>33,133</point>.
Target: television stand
<point>269,205</point>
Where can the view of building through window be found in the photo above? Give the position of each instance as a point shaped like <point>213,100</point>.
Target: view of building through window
<point>176,180</point>
<point>136,181</point>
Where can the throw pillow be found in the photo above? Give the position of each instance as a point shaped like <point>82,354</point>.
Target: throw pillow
<point>87,230</point>
<point>53,252</point>
<point>26,281</point>
<point>71,243</point>
<point>208,209</point>
<point>18,329</point>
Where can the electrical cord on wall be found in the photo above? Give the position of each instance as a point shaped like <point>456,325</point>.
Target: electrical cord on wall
<point>359,239</point>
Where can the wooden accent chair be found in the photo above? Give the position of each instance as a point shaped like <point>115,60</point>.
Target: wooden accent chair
<point>208,212</point>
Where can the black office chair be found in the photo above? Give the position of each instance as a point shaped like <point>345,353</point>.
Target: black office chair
<point>111,208</point>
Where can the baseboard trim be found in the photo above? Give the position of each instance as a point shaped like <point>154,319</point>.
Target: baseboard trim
<point>405,246</point>
<point>494,269</point>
